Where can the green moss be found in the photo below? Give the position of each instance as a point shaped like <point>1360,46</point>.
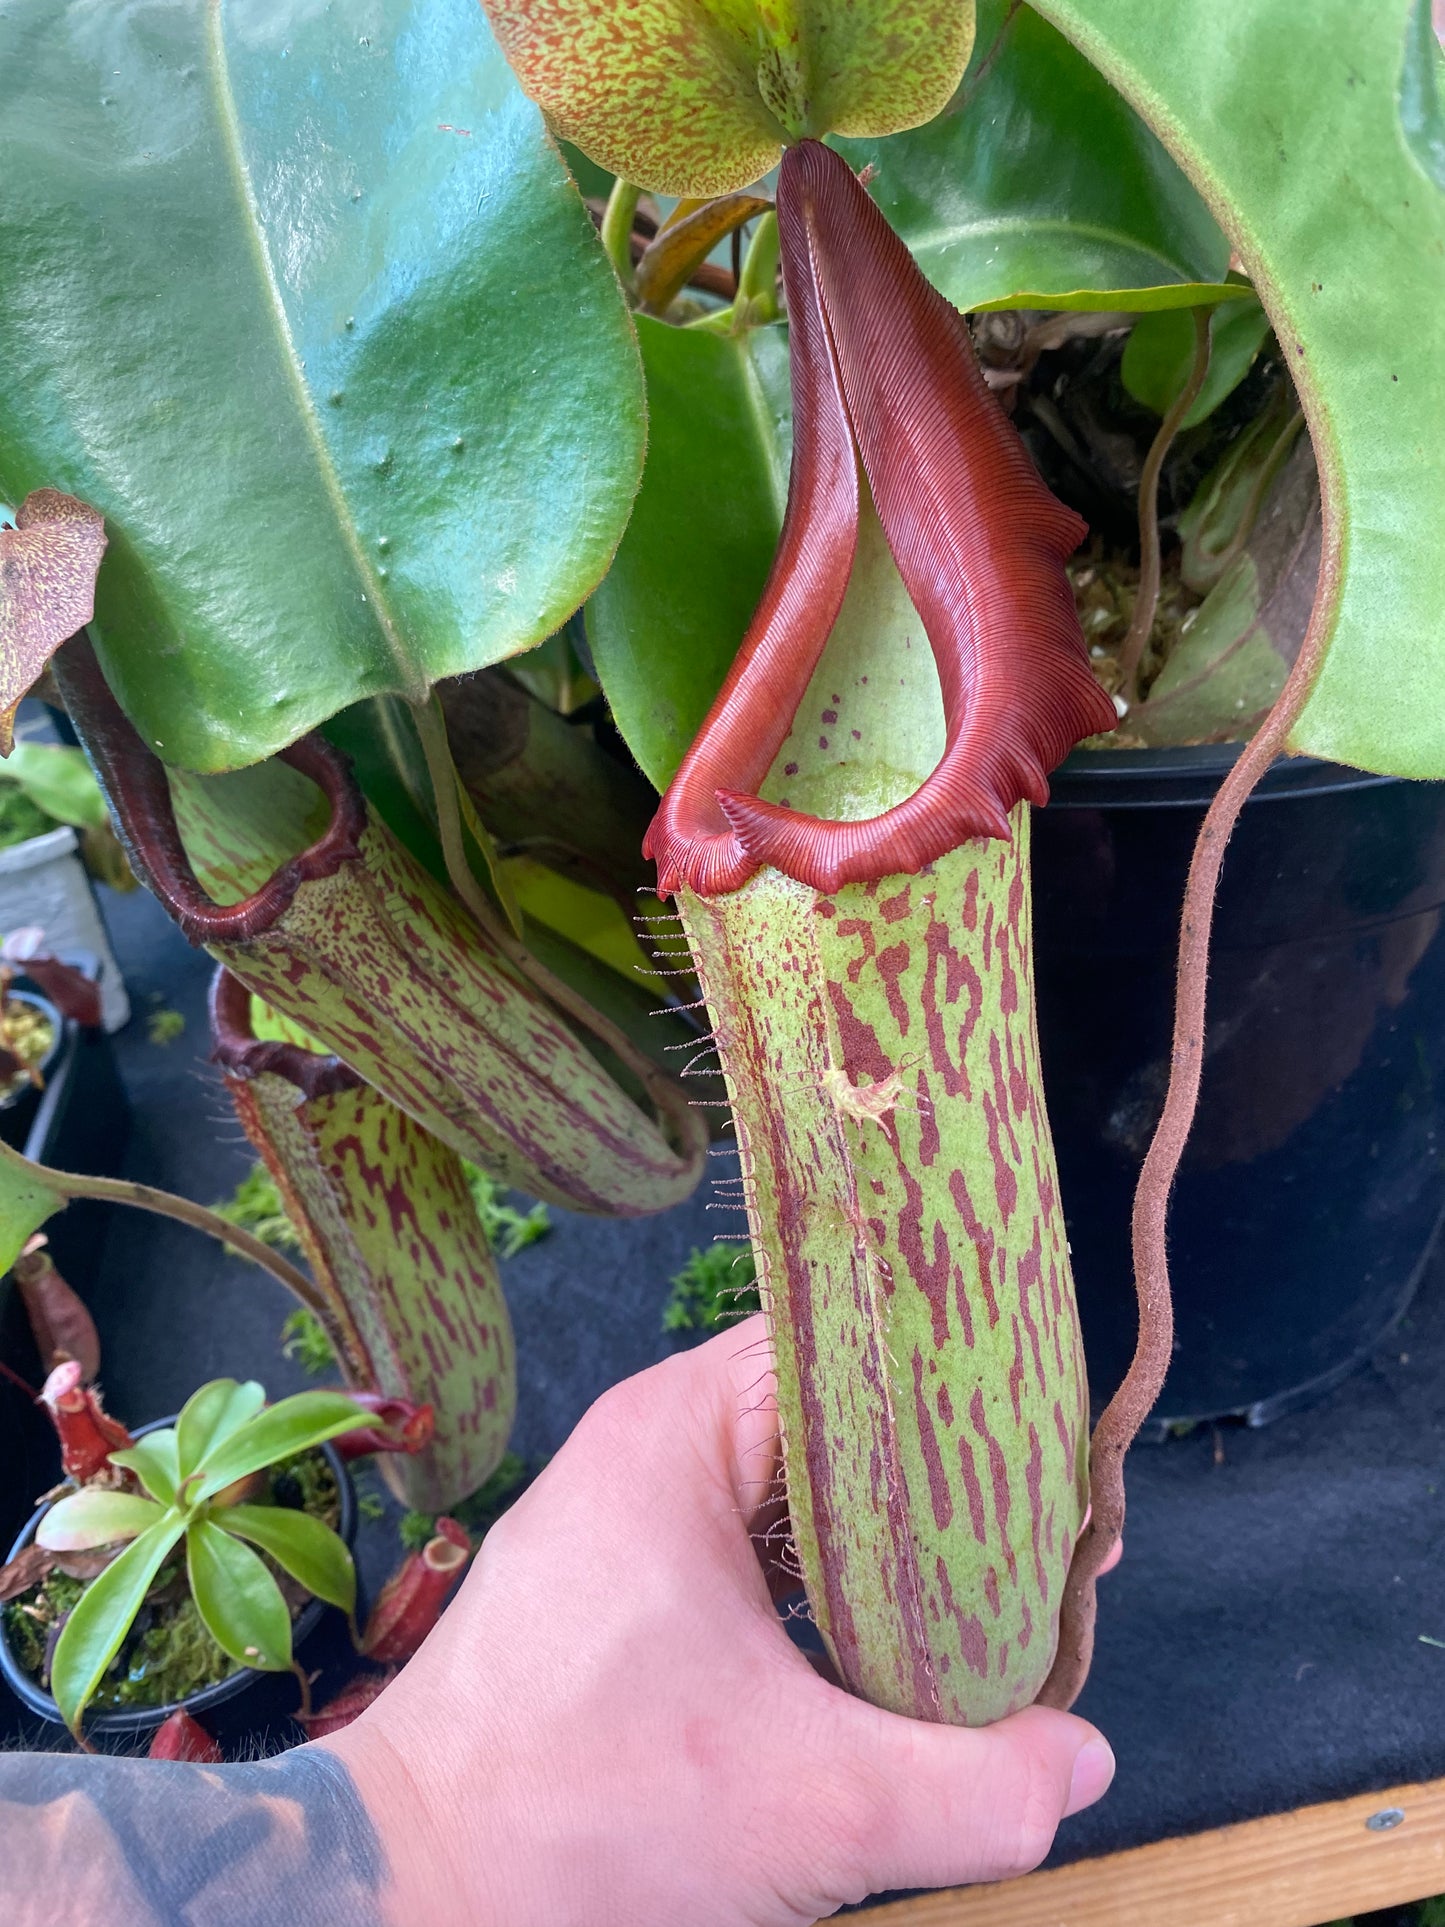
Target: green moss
<point>172,1659</point>
<point>20,817</point>
<point>713,1290</point>
<point>256,1206</point>
<point>303,1337</point>
<point>478,1511</point>
<point>508,1230</point>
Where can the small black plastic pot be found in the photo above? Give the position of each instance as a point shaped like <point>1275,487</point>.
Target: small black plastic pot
<point>1314,1181</point>
<point>249,1714</point>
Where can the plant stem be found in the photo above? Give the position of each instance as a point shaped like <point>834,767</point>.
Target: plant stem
<point>617,228</point>
<point>431,728</point>
<point>1144,1380</point>
<point>1146,602</point>
<point>758,281</point>
<point>166,1204</point>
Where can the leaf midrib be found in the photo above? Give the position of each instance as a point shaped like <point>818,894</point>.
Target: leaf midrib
<point>229,123</point>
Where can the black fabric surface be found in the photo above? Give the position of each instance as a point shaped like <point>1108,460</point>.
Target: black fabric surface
<point>1263,1644</point>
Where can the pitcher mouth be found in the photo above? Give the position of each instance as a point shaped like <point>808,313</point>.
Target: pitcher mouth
<point>885,380</point>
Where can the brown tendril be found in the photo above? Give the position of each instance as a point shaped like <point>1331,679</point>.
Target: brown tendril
<point>1146,601</point>
<point>1144,1380</point>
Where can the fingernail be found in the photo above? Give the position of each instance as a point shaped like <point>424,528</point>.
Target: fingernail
<point>1093,1770</point>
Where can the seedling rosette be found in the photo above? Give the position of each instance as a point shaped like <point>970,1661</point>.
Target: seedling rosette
<point>188,1486</point>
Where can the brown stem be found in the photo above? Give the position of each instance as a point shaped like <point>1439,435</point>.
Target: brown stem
<point>1146,602</point>
<point>71,1185</point>
<point>1143,1382</point>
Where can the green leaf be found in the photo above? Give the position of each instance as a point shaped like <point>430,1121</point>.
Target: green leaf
<point>1226,669</point>
<point>238,1598</point>
<point>153,1460</point>
<point>1422,98</point>
<point>696,97</point>
<point>1160,352</point>
<point>212,1415</point>
<point>315,316</point>
<point>27,1199</point>
<point>306,1546</point>
<point>296,1424</point>
<point>1302,138</point>
<point>94,1517</point>
<point>101,1617</point>
<point>666,623</point>
<point>1042,188</point>
<point>61,781</point>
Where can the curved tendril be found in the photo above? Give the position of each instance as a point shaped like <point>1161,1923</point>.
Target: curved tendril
<point>884,375</point>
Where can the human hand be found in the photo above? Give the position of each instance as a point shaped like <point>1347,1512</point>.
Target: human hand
<point>610,1724</point>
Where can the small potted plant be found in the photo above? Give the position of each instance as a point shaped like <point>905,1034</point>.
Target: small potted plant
<point>182,1565</point>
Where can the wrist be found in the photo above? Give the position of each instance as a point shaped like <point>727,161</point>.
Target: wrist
<point>427,1829</point>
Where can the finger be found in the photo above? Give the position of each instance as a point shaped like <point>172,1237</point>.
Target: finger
<point>742,1394</point>
<point>935,1806</point>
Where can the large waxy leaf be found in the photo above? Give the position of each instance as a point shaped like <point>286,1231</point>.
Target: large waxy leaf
<point>1042,188</point>
<point>307,305</point>
<point>1307,138</point>
<point>101,1617</point>
<point>696,97</point>
<point>666,623</point>
<point>306,1546</point>
<point>238,1598</point>
<point>295,1425</point>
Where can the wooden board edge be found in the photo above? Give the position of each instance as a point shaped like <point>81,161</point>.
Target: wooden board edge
<point>1315,1864</point>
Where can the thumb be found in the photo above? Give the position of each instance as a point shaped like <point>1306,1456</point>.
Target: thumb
<point>939,1806</point>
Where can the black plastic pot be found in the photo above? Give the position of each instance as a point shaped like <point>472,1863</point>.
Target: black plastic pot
<point>1314,1182</point>
<point>251,1712</point>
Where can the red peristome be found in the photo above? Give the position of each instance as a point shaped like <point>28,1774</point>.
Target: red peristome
<point>348,1704</point>
<point>884,373</point>
<point>88,1434</point>
<point>182,1738</point>
<point>411,1601</point>
<point>134,780</point>
<point>400,1427</point>
<point>240,1053</point>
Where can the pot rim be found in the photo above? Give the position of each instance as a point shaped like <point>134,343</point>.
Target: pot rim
<point>139,1720</point>
<point>1187,776</point>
